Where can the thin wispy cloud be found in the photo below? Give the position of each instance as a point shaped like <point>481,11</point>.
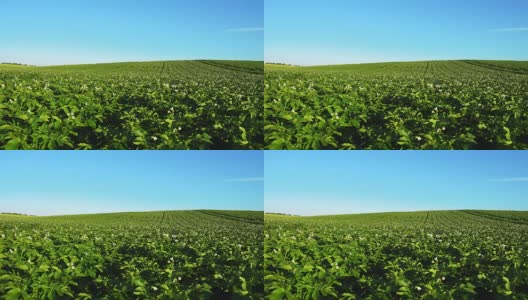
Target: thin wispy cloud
<point>245,179</point>
<point>245,29</point>
<point>511,29</point>
<point>511,179</point>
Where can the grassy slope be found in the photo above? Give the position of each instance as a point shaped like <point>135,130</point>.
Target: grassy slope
<point>8,217</point>
<point>13,67</point>
<point>275,217</point>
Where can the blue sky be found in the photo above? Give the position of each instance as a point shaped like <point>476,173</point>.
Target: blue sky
<point>340,182</point>
<point>68,32</point>
<point>313,32</point>
<point>72,182</point>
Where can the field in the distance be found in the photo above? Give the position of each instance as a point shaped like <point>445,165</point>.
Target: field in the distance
<point>144,105</point>
<point>413,255</point>
<point>147,255</point>
<point>413,105</point>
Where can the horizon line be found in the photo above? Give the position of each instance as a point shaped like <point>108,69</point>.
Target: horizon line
<point>124,212</point>
<point>387,212</point>
<point>126,61</point>
<point>386,61</point>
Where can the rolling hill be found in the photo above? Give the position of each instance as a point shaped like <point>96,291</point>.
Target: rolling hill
<point>202,104</point>
<point>166,254</point>
<point>466,104</point>
<point>467,254</point>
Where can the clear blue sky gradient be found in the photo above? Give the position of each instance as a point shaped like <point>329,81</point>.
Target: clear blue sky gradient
<point>341,182</point>
<point>313,32</point>
<point>68,32</point>
<point>70,182</point>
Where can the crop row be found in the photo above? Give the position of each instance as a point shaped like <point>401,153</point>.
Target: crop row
<point>430,255</point>
<point>160,105</point>
<point>419,105</point>
<point>171,255</point>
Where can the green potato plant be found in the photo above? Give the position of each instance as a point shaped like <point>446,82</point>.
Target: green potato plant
<point>417,255</point>
<point>415,105</point>
<point>151,255</point>
<point>146,105</point>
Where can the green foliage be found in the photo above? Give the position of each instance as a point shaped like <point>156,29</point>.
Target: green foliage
<point>418,105</point>
<point>420,255</point>
<point>154,105</point>
<point>156,255</point>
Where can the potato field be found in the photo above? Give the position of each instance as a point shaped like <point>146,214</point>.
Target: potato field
<point>417,255</point>
<point>414,105</point>
<point>152,255</point>
<point>144,105</point>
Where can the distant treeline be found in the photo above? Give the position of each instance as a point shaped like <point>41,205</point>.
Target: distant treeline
<point>9,213</point>
<point>282,214</point>
<point>280,64</point>
<point>12,63</point>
